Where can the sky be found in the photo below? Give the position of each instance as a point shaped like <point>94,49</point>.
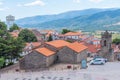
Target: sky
<point>27,8</point>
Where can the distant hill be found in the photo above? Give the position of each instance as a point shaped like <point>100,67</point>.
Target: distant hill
<point>88,20</point>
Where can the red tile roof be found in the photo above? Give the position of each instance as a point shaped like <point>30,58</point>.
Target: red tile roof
<point>92,48</point>
<point>77,47</point>
<point>34,44</point>
<point>45,51</point>
<point>58,43</point>
<point>72,34</point>
<point>48,32</point>
<point>14,34</point>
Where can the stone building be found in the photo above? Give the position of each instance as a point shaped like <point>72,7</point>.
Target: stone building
<point>70,36</point>
<point>38,35</point>
<point>29,47</point>
<point>73,53</point>
<point>39,58</point>
<point>53,52</point>
<point>116,48</point>
<point>92,50</point>
<point>106,46</point>
<point>56,45</point>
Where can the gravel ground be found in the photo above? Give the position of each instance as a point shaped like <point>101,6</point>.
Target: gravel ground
<point>109,71</point>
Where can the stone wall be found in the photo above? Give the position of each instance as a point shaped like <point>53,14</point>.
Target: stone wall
<point>22,64</point>
<point>66,55</point>
<point>82,55</point>
<point>33,60</point>
<point>36,60</point>
<point>50,60</point>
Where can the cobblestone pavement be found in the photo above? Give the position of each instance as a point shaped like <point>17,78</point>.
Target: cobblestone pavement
<point>109,71</point>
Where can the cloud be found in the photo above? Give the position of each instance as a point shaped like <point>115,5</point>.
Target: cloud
<point>35,3</point>
<point>76,1</point>
<point>96,1</point>
<point>1,3</point>
<point>3,9</point>
<point>19,5</point>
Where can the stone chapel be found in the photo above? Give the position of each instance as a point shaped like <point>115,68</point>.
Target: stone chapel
<point>106,46</point>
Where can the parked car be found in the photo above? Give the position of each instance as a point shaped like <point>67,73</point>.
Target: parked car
<point>99,57</point>
<point>97,62</point>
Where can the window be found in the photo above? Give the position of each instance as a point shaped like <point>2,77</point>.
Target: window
<point>105,43</point>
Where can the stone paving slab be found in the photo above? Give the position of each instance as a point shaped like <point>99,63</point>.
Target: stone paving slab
<point>109,71</point>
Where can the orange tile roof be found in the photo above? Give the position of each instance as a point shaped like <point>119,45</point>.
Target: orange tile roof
<point>72,33</point>
<point>82,36</point>
<point>77,47</point>
<point>58,43</point>
<point>45,51</point>
<point>98,46</point>
<point>34,44</point>
<point>48,32</point>
<point>14,34</point>
<point>92,48</point>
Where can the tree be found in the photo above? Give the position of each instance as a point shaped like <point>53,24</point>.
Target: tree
<point>27,36</point>
<point>3,26</point>
<point>65,31</point>
<point>10,48</point>
<point>2,62</point>
<point>14,27</point>
<point>3,29</point>
<point>15,49</point>
<point>50,38</point>
<point>116,41</point>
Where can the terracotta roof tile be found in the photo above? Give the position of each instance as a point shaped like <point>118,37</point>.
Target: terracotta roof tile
<point>34,44</point>
<point>58,43</point>
<point>14,34</point>
<point>77,47</point>
<point>72,33</point>
<point>98,46</point>
<point>45,51</point>
<point>92,48</point>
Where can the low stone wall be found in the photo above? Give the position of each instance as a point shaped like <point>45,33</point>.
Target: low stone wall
<point>10,68</point>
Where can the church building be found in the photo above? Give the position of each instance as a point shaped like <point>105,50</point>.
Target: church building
<point>106,46</point>
<point>57,51</point>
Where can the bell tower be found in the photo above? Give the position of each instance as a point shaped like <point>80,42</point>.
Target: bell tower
<point>106,40</point>
<point>106,46</point>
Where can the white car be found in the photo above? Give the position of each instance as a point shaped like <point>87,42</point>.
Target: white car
<point>97,62</point>
<point>100,58</point>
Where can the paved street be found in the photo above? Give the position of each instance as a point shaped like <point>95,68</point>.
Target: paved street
<point>109,71</point>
